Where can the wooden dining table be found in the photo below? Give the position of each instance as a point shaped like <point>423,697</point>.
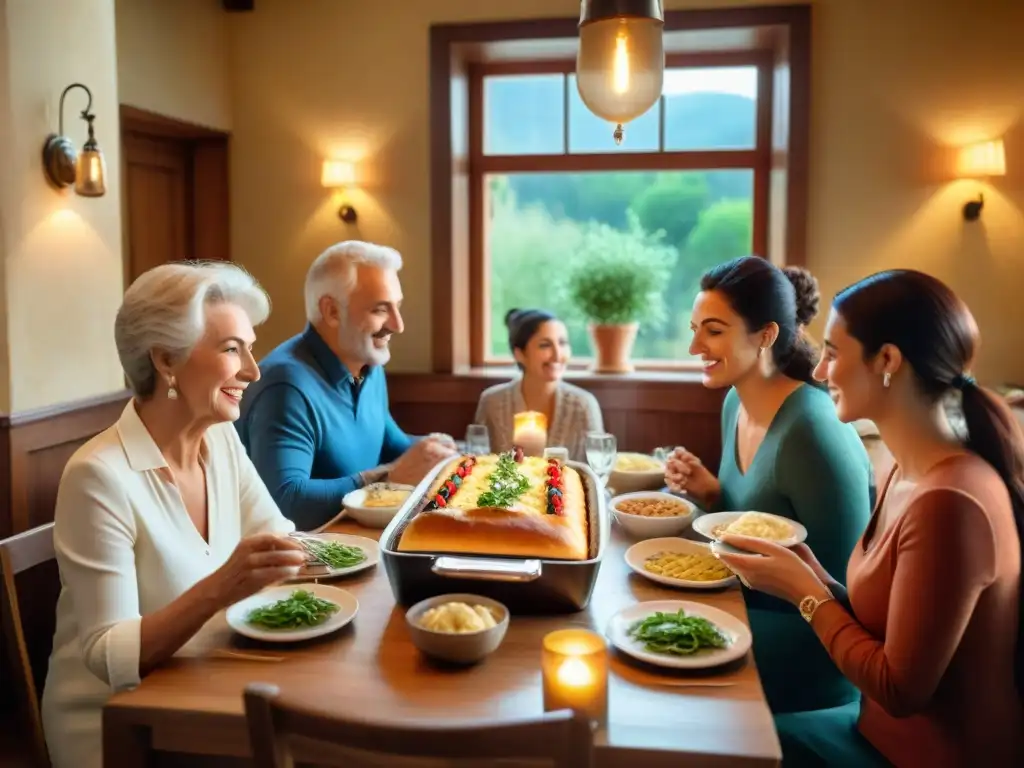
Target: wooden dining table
<point>192,706</point>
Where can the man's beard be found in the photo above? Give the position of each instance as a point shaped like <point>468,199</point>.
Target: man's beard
<point>359,344</point>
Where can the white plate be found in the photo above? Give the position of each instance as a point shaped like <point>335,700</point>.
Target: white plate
<point>238,613</point>
<point>637,554</point>
<point>705,524</point>
<point>735,630</point>
<point>369,546</point>
<point>371,517</point>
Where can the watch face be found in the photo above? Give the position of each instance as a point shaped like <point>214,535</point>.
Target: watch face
<point>807,606</point>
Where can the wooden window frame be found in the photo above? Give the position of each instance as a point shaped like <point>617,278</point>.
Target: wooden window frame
<point>461,53</point>
<point>756,159</point>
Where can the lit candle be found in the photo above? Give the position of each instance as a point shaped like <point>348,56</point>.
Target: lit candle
<point>530,432</point>
<point>574,666</point>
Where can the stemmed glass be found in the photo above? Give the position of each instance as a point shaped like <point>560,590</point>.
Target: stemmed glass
<point>478,440</point>
<point>601,452</point>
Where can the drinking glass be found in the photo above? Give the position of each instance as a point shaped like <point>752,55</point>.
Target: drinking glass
<point>601,452</point>
<point>478,440</point>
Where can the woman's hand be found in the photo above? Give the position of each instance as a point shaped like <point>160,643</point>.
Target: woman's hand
<point>804,552</point>
<point>773,569</point>
<point>684,473</point>
<point>258,561</point>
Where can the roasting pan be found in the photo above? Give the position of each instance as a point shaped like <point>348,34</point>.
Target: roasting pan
<point>526,586</point>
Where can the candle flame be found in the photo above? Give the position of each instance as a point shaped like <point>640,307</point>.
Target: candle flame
<point>574,672</point>
<point>620,64</point>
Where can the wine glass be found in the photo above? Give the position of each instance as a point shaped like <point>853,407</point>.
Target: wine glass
<point>601,452</point>
<point>478,440</point>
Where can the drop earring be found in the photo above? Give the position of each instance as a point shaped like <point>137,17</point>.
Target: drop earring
<point>886,379</point>
<point>172,393</point>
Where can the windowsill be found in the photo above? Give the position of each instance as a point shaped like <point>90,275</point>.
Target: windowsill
<point>504,373</point>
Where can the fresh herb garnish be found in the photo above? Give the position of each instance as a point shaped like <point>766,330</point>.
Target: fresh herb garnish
<point>300,609</point>
<point>507,484</point>
<point>335,554</point>
<point>677,634</point>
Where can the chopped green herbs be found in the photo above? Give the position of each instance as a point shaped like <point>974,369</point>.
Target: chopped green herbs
<point>300,609</point>
<point>507,484</point>
<point>334,554</point>
<point>677,634</point>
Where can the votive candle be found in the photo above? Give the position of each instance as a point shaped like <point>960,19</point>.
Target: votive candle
<point>574,669</point>
<point>530,432</point>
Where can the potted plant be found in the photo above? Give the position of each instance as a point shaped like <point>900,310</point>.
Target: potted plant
<point>617,286</point>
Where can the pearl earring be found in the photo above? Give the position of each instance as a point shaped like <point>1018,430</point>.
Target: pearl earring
<point>886,379</point>
<point>172,393</point>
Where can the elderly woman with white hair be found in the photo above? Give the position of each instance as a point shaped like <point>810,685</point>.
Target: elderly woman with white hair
<point>161,520</point>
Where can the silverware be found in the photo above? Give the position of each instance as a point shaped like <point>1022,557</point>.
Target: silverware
<point>312,558</point>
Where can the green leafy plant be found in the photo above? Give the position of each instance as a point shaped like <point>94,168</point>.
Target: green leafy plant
<point>619,276</point>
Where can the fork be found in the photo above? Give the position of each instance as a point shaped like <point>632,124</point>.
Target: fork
<point>311,555</point>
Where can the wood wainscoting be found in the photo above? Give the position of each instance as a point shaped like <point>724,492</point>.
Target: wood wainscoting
<point>34,447</point>
<point>643,411</point>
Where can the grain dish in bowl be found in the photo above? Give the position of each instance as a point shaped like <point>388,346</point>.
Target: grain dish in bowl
<point>458,628</point>
<point>758,525</point>
<point>650,514</point>
<point>637,472</point>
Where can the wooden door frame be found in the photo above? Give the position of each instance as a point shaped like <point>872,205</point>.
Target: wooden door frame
<point>211,198</point>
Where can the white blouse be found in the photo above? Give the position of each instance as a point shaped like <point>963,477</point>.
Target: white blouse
<point>126,547</point>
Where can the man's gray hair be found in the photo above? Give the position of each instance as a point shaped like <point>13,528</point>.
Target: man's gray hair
<point>165,309</point>
<point>334,270</point>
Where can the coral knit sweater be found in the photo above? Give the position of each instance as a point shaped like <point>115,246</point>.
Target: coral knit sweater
<point>932,637</point>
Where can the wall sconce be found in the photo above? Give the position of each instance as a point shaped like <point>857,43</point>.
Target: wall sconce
<point>340,174</point>
<point>979,161</point>
<point>63,166</point>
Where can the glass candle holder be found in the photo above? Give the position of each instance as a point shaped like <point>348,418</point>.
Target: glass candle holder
<point>574,669</point>
<point>530,432</point>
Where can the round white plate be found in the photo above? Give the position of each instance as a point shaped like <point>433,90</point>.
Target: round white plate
<point>238,613</point>
<point>637,554</point>
<point>706,524</point>
<point>736,631</point>
<point>371,517</point>
<point>369,546</point>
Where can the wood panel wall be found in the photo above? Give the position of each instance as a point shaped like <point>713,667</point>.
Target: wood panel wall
<point>35,446</point>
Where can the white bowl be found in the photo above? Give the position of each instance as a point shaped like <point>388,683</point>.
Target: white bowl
<point>642,527</point>
<point>372,517</point>
<point>630,481</point>
<point>458,647</point>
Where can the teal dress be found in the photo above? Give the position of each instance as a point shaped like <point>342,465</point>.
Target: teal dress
<point>814,469</point>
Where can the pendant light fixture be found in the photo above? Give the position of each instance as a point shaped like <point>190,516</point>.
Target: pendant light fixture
<point>620,66</point>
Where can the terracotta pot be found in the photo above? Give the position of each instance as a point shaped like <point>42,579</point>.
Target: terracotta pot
<point>613,345</point>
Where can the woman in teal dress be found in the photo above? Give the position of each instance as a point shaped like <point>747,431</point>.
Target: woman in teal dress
<point>784,451</point>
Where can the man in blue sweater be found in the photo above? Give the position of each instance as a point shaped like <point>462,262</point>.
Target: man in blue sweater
<point>317,424</point>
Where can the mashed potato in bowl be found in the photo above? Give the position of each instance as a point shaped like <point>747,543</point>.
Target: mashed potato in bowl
<point>457,617</point>
<point>637,462</point>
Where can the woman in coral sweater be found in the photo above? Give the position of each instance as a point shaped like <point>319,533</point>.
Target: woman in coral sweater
<point>929,628</point>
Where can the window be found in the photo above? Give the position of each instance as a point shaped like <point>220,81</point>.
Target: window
<point>687,189</point>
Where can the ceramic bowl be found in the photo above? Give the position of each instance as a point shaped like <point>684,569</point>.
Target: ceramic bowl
<point>461,647</point>
<point>642,527</point>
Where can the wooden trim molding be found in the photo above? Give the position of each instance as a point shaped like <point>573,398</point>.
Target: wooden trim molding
<point>34,447</point>
<point>778,37</point>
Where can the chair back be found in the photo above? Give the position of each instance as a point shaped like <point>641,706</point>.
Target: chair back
<point>28,567</point>
<point>561,739</point>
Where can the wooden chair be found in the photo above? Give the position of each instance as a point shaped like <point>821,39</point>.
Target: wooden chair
<point>556,739</point>
<point>29,637</point>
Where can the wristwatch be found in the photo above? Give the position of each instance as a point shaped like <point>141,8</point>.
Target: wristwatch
<point>810,604</point>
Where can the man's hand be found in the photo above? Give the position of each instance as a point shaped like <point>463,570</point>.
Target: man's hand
<point>413,465</point>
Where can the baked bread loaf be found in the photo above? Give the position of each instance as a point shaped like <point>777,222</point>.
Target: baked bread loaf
<point>496,505</point>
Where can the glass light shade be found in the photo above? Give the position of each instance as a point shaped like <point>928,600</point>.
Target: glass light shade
<point>91,173</point>
<point>574,673</point>
<point>985,159</point>
<point>530,432</point>
<point>620,66</point>
<point>338,173</point>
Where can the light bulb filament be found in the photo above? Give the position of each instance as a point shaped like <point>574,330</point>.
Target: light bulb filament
<point>620,64</point>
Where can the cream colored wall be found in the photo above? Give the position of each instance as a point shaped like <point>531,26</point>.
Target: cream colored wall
<point>891,81</point>
<point>172,58</point>
<point>61,253</point>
